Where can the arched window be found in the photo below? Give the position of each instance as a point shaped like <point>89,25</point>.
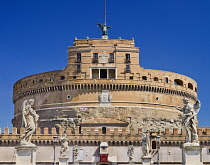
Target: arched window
<point>155,79</point>
<point>103,130</point>
<point>178,82</point>
<point>190,86</point>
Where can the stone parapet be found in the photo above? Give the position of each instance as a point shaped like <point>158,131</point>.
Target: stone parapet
<point>94,136</point>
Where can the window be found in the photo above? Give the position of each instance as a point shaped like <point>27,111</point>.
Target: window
<point>51,79</point>
<point>178,82</point>
<point>95,58</point>
<point>78,67</point>
<point>111,58</point>
<point>131,77</point>
<point>195,89</point>
<point>166,79</point>
<point>155,79</point>
<point>41,80</point>
<point>68,96</point>
<point>103,130</point>
<point>190,86</point>
<point>144,77</point>
<point>127,58</point>
<point>154,145</point>
<point>103,73</point>
<point>74,77</point>
<point>78,58</point>
<point>62,77</point>
<point>127,68</point>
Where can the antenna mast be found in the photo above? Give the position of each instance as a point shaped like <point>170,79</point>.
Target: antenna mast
<point>104,28</point>
<point>105,12</point>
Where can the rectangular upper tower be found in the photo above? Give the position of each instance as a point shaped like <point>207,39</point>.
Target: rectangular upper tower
<point>103,59</point>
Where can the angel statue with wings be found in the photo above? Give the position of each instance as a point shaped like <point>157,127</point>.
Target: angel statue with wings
<point>29,122</point>
<point>189,120</point>
<point>64,145</point>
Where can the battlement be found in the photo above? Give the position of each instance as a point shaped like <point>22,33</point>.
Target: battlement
<point>94,136</point>
<point>202,131</point>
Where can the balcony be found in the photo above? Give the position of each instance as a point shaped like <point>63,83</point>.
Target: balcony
<point>94,60</point>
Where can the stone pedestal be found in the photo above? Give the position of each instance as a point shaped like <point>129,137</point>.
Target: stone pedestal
<point>76,163</point>
<point>146,160</point>
<point>63,161</point>
<point>131,163</point>
<point>191,154</point>
<point>26,155</point>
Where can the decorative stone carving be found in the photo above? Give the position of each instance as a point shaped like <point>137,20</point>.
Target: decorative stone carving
<point>189,120</point>
<point>145,144</point>
<point>105,97</point>
<point>130,153</point>
<point>70,123</point>
<point>64,145</point>
<point>161,124</point>
<point>29,121</point>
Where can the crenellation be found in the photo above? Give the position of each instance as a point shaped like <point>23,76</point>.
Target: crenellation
<point>175,131</point>
<point>14,131</point>
<point>6,131</point>
<point>46,131</point>
<point>38,131</point>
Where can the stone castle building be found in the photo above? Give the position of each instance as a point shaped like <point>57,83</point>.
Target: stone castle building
<point>105,86</point>
<point>104,96</point>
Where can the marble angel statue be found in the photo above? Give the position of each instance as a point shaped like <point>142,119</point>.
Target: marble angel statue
<point>29,122</point>
<point>130,153</point>
<point>145,144</point>
<point>189,120</point>
<point>64,145</point>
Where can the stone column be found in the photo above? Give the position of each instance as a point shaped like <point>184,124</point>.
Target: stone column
<point>63,161</point>
<point>191,154</point>
<point>146,160</point>
<point>26,155</point>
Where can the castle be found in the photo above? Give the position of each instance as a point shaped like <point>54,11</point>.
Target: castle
<point>103,100</point>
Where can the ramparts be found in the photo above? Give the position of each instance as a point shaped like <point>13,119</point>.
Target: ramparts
<point>94,136</point>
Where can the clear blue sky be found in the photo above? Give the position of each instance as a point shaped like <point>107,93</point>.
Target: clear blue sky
<point>173,35</point>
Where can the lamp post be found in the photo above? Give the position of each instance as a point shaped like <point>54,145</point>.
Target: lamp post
<point>54,142</point>
<point>158,148</point>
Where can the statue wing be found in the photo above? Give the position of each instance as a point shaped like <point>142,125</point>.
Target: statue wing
<point>197,106</point>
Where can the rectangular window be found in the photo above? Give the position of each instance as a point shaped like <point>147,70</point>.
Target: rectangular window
<point>127,58</point>
<point>103,73</point>
<point>95,73</point>
<point>127,68</point>
<point>95,56</point>
<point>111,57</point>
<point>166,79</point>
<point>78,58</point>
<point>78,67</point>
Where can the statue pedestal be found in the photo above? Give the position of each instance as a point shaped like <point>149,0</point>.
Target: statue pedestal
<point>146,160</point>
<point>26,155</point>
<point>76,163</point>
<point>63,161</point>
<point>131,163</point>
<point>191,154</point>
